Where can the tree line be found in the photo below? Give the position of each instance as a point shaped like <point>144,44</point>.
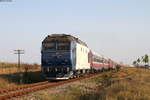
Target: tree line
<point>142,61</point>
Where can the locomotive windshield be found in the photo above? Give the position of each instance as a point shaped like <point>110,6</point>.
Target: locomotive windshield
<point>57,45</point>
<point>63,46</point>
<point>49,46</point>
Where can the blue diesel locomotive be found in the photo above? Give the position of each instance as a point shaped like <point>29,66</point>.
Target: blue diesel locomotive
<point>64,57</point>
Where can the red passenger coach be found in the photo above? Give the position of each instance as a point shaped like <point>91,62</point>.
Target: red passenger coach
<point>99,62</point>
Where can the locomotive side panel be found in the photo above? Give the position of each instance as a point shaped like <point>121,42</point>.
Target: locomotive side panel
<point>73,55</point>
<point>82,57</point>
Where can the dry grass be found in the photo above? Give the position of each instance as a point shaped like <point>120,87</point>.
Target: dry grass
<point>129,84</point>
<point>126,84</point>
<point>10,74</point>
<point>9,68</point>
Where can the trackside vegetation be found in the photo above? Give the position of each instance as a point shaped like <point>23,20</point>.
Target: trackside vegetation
<point>125,84</point>
<point>142,61</point>
<point>12,76</point>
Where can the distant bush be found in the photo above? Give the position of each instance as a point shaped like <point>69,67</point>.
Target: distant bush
<point>107,79</point>
<point>118,67</point>
<point>107,76</point>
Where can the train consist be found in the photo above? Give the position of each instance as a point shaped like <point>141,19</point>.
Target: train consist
<point>65,56</point>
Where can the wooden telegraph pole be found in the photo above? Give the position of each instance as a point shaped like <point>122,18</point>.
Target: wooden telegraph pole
<point>19,52</point>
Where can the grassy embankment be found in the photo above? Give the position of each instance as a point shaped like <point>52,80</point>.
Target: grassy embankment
<point>10,74</point>
<point>126,84</point>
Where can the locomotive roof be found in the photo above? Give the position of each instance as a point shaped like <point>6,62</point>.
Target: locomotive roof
<point>63,37</point>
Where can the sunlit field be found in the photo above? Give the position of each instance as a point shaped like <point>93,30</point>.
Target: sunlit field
<point>126,84</point>
<point>9,68</point>
<point>11,75</point>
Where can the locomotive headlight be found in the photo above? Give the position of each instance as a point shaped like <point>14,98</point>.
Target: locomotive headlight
<point>47,69</point>
<point>67,69</point>
<point>56,69</point>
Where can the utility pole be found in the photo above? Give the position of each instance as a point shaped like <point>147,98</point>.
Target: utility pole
<point>19,52</point>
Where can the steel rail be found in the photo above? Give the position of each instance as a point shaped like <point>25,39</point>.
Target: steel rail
<point>22,87</point>
<point>22,90</point>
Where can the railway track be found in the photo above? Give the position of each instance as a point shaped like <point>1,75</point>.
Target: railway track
<point>22,90</point>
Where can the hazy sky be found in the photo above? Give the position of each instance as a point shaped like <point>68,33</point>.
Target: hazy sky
<point>119,29</point>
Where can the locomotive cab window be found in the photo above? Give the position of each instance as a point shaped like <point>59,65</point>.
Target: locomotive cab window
<point>63,46</point>
<point>56,45</point>
<point>49,46</point>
